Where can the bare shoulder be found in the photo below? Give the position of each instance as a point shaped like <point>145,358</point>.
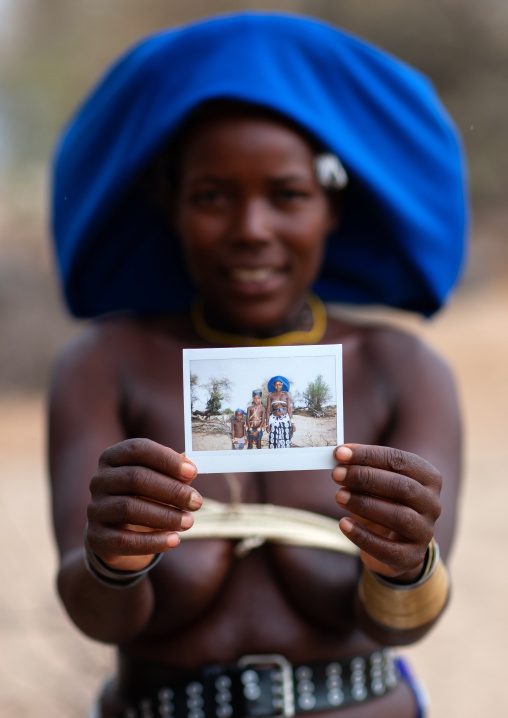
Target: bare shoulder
<point>97,347</point>
<point>405,357</point>
<point>392,351</point>
<point>100,375</point>
<point>111,341</point>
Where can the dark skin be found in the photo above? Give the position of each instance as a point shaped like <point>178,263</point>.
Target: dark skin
<point>252,219</point>
<point>238,429</point>
<point>256,421</point>
<point>279,395</point>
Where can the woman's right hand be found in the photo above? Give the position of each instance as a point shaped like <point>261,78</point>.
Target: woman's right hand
<point>141,496</point>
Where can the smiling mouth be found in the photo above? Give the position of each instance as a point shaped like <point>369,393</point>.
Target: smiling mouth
<point>259,275</point>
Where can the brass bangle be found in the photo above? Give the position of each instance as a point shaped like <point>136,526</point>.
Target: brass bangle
<point>405,607</point>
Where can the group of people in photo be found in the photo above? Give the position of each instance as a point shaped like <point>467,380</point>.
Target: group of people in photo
<point>276,419</point>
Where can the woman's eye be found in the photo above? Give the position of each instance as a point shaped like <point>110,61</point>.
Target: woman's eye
<point>207,197</point>
<point>291,195</point>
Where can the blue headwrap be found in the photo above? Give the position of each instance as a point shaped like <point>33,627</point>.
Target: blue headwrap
<point>240,410</point>
<point>401,239</point>
<point>285,383</point>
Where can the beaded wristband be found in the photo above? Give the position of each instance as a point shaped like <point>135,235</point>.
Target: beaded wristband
<point>111,576</point>
<point>405,607</point>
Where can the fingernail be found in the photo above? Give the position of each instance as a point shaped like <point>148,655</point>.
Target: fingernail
<point>343,496</point>
<point>187,521</point>
<point>346,525</point>
<point>343,453</point>
<point>173,540</point>
<point>187,470</point>
<point>196,501</point>
<point>339,473</point>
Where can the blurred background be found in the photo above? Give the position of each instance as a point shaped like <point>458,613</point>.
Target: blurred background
<point>51,51</point>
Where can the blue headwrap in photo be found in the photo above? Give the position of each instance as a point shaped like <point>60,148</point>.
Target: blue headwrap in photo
<point>401,240</point>
<point>285,383</point>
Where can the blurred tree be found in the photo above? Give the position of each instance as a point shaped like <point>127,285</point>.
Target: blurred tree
<point>193,390</point>
<point>316,395</point>
<point>218,392</point>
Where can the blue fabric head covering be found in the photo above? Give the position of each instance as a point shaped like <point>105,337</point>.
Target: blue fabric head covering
<point>401,239</point>
<point>240,410</point>
<point>285,383</point>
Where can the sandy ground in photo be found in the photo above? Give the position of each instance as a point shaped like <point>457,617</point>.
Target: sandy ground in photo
<point>49,670</point>
<point>214,434</point>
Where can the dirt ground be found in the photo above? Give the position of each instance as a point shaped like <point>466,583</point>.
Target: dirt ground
<point>214,434</point>
<point>49,670</point>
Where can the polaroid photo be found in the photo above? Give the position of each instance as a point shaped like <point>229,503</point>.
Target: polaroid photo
<point>263,408</point>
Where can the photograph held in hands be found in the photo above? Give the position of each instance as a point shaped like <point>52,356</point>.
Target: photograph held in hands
<point>248,408</point>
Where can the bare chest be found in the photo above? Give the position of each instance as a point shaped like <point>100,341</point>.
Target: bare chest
<point>153,407</point>
<point>216,585</point>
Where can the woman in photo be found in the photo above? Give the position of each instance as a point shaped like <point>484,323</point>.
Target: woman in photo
<point>280,413</point>
<point>221,181</point>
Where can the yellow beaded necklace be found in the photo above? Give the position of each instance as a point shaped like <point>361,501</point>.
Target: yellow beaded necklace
<point>312,336</point>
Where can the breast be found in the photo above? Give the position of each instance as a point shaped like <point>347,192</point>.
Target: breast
<point>213,607</point>
<point>319,584</point>
<point>187,582</point>
<point>204,578</point>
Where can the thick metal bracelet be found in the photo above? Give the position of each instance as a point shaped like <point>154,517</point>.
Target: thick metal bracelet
<point>112,577</point>
<point>405,607</point>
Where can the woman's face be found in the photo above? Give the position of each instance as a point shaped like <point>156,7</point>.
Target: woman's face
<point>277,386</point>
<point>252,218</point>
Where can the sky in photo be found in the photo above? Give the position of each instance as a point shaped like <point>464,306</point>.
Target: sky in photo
<point>246,375</point>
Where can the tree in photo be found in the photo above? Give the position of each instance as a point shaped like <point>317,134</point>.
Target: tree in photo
<point>316,395</point>
<point>193,390</point>
<point>218,391</point>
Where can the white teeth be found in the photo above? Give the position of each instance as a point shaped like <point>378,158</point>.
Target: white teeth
<point>252,275</point>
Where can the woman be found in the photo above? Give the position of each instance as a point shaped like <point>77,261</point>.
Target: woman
<point>280,423</point>
<point>238,209</point>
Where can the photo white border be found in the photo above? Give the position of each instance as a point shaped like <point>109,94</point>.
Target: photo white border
<point>301,458</point>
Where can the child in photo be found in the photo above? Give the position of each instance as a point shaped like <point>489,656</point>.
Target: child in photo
<point>238,430</point>
<point>256,420</point>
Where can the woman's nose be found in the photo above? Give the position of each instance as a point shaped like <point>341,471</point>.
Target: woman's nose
<point>253,223</point>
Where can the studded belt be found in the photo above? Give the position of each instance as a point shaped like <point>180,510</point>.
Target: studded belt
<point>257,686</point>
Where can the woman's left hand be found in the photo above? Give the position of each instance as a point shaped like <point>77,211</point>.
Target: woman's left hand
<point>393,498</point>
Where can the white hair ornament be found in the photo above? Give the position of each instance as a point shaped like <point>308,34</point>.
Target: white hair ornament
<point>330,171</point>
